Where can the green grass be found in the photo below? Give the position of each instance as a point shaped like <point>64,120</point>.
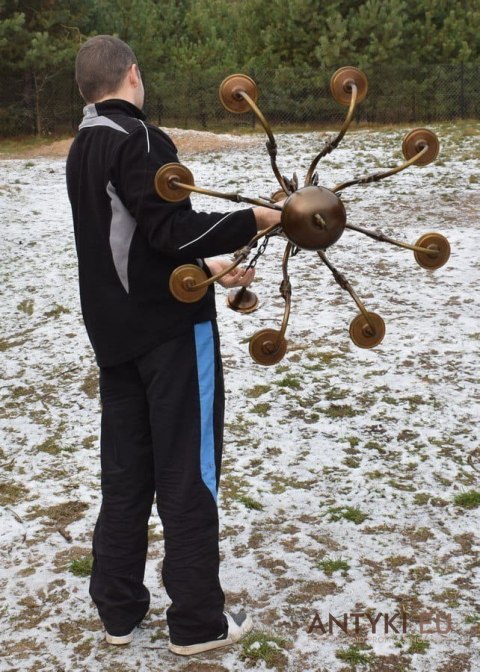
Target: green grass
<point>289,381</point>
<point>57,311</point>
<point>331,565</point>
<point>418,645</point>
<point>26,306</point>
<point>328,357</point>
<point>406,487</point>
<point>351,513</point>
<point>258,646</point>
<point>250,503</point>
<point>335,393</point>
<point>340,411</point>
<point>449,596</point>
<point>11,492</point>
<point>16,144</point>
<point>468,500</point>
<point>50,446</point>
<point>257,391</point>
<point>375,474</point>
<point>261,409</point>
<point>90,441</point>
<point>421,498</point>
<point>353,655</point>
<point>415,401</point>
<point>374,445</point>
<point>21,391</point>
<point>351,462</point>
<point>90,384</point>
<point>82,566</point>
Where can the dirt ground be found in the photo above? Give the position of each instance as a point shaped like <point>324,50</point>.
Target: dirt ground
<point>186,141</point>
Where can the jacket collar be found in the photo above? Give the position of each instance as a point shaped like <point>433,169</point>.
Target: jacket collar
<point>111,107</point>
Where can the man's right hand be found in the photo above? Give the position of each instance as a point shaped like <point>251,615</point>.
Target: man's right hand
<point>266,217</point>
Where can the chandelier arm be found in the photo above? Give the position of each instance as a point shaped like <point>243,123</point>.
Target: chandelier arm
<point>228,196</point>
<point>286,292</point>
<point>378,235</point>
<point>330,145</point>
<point>341,280</point>
<point>271,144</point>
<point>376,177</point>
<point>240,255</point>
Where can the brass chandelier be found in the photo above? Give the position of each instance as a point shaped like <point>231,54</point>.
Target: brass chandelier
<point>313,217</point>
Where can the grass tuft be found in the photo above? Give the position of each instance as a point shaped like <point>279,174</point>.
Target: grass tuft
<point>257,391</point>
<point>57,311</point>
<point>353,655</point>
<point>90,384</point>
<point>26,306</point>
<point>259,646</point>
<point>289,381</point>
<point>11,492</point>
<point>331,565</point>
<point>250,503</point>
<point>351,513</point>
<point>335,393</point>
<point>49,446</point>
<point>468,500</point>
<point>261,409</point>
<point>418,645</point>
<point>82,566</point>
<point>340,411</point>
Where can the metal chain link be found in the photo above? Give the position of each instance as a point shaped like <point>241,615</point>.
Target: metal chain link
<point>260,251</point>
<point>245,251</point>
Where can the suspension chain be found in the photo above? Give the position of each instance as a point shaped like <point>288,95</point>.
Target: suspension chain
<point>245,251</point>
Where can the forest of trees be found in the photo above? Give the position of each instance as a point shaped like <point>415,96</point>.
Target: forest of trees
<point>422,57</point>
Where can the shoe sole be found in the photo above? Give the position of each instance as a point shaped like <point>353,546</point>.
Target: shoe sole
<point>199,648</point>
<point>119,641</point>
<point>192,649</point>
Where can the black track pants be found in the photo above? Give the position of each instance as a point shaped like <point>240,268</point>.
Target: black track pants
<point>162,426</point>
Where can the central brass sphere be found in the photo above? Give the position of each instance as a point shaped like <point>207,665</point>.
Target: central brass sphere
<point>313,218</point>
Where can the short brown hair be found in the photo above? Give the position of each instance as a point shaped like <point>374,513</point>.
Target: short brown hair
<point>101,65</point>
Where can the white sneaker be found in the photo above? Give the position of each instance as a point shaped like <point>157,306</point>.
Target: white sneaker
<point>119,640</point>
<point>238,626</point>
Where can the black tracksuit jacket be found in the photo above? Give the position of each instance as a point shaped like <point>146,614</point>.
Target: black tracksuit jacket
<point>129,240</point>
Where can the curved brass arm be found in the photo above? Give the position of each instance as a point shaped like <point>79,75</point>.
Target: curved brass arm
<point>232,196</point>
<point>344,284</point>
<point>286,292</point>
<point>330,145</point>
<point>376,177</point>
<point>432,250</point>
<point>271,144</point>
<point>378,235</point>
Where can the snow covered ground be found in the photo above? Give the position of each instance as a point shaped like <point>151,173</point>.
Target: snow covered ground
<point>342,466</point>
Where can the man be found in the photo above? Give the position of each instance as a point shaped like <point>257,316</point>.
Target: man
<point>161,381</point>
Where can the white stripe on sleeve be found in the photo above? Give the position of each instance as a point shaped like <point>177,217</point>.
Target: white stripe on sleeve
<point>206,232</point>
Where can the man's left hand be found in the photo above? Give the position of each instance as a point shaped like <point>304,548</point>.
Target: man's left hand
<point>238,277</point>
